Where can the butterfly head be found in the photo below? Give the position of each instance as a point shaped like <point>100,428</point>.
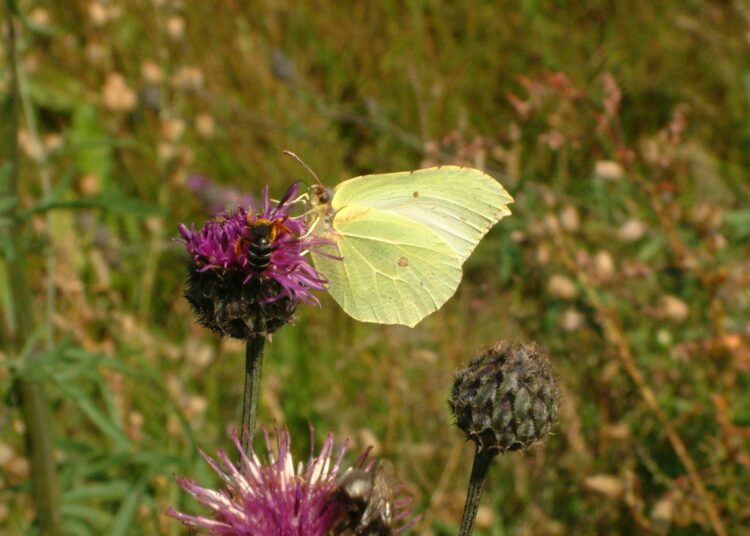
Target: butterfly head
<point>323,195</point>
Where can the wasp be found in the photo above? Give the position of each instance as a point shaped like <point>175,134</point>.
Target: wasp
<point>368,498</point>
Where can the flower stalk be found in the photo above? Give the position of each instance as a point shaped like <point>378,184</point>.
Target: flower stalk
<point>248,271</point>
<point>479,469</point>
<point>253,371</point>
<point>35,411</point>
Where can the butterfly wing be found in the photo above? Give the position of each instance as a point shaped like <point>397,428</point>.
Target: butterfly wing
<point>403,238</point>
<point>459,204</point>
<point>393,270</point>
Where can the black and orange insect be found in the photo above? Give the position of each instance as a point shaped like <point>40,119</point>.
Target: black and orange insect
<point>262,232</point>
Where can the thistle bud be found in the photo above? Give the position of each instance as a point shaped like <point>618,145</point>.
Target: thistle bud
<point>506,399</point>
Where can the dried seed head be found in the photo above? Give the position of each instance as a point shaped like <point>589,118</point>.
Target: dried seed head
<point>506,398</point>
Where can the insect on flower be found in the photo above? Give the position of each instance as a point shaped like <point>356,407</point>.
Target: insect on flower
<point>368,500</point>
<point>274,496</point>
<point>249,268</point>
<point>261,233</point>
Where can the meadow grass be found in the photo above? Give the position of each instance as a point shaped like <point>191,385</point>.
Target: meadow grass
<point>622,131</point>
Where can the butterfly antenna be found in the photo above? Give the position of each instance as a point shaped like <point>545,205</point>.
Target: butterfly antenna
<point>298,159</point>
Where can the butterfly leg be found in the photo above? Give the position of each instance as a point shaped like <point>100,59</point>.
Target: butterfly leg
<point>301,197</point>
<point>312,227</point>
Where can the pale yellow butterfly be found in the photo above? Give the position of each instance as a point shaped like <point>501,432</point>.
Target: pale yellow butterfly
<point>402,238</point>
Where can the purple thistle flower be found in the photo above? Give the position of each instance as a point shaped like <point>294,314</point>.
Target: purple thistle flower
<point>249,269</point>
<point>224,244</point>
<point>278,499</point>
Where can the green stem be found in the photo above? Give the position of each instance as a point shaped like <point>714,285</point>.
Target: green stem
<point>482,461</point>
<point>253,371</point>
<point>44,485</point>
<point>40,156</point>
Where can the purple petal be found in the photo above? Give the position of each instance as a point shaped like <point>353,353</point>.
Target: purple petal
<point>217,246</point>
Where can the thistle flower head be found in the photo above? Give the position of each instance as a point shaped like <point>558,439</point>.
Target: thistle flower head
<point>244,261</point>
<point>277,498</point>
<point>506,398</point>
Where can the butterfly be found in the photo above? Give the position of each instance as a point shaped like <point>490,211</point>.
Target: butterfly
<point>397,241</point>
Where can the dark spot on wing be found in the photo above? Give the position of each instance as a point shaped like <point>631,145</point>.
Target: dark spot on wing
<point>415,194</point>
<point>403,262</point>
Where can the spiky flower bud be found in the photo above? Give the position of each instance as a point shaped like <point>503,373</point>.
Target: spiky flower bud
<point>506,399</point>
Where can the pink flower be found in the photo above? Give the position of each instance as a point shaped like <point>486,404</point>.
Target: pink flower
<point>277,498</point>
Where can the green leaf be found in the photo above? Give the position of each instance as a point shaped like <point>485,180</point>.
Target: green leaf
<point>55,90</point>
<point>61,187</point>
<point>128,509</point>
<point>93,150</point>
<point>93,516</point>
<point>113,201</point>
<point>75,527</point>
<point>81,355</point>
<point>738,222</point>
<point>97,416</point>
<point>29,354</point>
<point>6,168</point>
<point>7,203</point>
<point>107,491</point>
<point>118,202</point>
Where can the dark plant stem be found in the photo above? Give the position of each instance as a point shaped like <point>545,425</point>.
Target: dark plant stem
<point>44,485</point>
<point>253,371</point>
<point>482,461</point>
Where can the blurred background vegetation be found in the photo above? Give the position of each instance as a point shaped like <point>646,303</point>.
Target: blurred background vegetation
<point>622,130</point>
